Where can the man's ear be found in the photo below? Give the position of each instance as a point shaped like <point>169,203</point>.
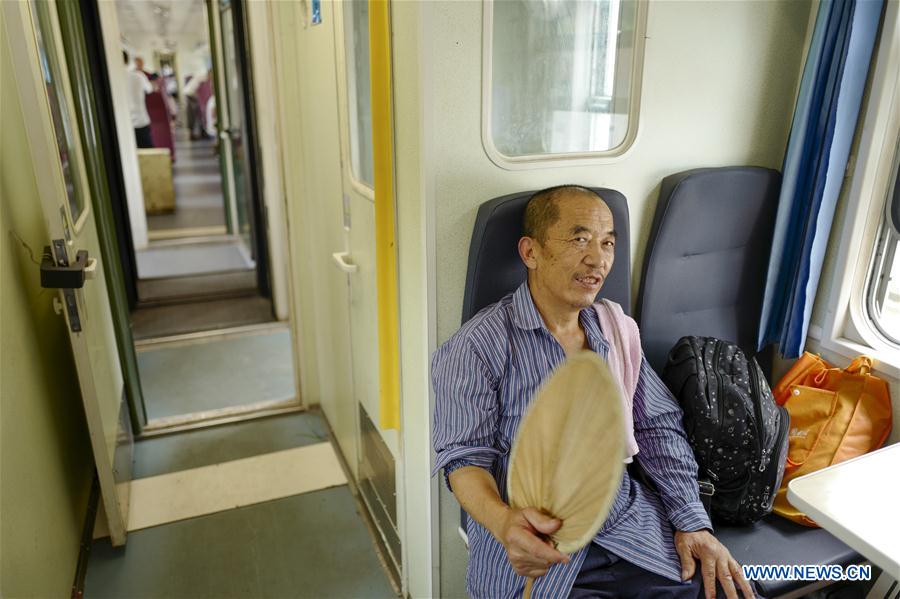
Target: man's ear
<point>527,248</point>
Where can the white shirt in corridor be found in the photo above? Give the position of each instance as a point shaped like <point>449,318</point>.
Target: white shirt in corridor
<point>137,86</point>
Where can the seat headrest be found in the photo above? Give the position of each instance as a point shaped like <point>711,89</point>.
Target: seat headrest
<point>707,257</point>
<point>496,269</point>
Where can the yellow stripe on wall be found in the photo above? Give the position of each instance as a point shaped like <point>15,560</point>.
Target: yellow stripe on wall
<point>385,233</point>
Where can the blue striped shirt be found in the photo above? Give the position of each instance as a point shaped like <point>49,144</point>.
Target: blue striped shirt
<point>485,375</point>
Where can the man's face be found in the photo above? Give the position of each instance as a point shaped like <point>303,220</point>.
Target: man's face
<point>139,64</point>
<point>577,254</point>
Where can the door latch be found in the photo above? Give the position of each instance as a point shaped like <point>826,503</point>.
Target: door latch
<point>60,276</point>
<point>57,273</point>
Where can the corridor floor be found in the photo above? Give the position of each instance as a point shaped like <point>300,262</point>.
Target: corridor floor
<point>217,372</point>
<point>311,545</point>
<point>199,203</point>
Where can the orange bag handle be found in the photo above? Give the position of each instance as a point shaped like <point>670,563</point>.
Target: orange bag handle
<point>860,365</point>
<point>820,377</point>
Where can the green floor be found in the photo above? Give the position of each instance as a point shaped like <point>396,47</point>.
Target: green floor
<point>217,373</point>
<point>183,260</point>
<point>172,453</point>
<point>197,179</point>
<point>177,319</point>
<point>310,545</point>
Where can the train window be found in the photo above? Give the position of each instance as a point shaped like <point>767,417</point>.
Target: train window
<point>69,153</point>
<point>883,301</point>
<point>561,77</point>
<point>359,100</point>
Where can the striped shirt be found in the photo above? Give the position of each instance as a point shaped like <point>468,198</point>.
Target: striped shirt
<point>485,375</point>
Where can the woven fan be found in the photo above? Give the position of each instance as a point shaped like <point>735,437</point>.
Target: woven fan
<point>567,458</point>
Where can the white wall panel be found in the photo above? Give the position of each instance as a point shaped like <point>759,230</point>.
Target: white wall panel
<point>134,193</point>
<point>310,159</point>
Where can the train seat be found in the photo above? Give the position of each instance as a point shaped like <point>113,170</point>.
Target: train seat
<point>160,123</point>
<point>706,259</point>
<point>704,274</point>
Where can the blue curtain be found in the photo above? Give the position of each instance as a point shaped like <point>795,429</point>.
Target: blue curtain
<point>824,122</point>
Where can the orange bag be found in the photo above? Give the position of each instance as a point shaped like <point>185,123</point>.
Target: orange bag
<point>835,415</point>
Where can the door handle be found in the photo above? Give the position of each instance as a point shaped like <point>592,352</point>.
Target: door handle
<point>340,258</point>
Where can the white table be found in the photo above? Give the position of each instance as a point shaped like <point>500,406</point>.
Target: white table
<point>858,501</point>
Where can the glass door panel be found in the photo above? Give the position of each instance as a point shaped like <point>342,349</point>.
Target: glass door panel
<point>235,134</point>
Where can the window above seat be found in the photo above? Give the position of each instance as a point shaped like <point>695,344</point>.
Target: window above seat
<point>561,79</point>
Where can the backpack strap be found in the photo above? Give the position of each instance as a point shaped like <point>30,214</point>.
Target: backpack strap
<point>706,490</point>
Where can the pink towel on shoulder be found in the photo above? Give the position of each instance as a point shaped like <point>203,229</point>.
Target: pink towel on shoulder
<point>624,361</point>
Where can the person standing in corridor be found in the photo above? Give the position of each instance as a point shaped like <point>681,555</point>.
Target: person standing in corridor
<point>137,87</point>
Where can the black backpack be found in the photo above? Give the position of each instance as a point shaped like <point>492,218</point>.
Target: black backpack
<point>738,433</point>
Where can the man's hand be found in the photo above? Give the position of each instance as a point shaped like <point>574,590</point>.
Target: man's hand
<point>715,563</point>
<point>519,533</point>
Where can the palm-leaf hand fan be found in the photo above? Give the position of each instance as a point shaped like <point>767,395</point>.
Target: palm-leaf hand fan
<point>568,455</point>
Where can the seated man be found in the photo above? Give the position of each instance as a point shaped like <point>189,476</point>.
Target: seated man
<point>485,375</point>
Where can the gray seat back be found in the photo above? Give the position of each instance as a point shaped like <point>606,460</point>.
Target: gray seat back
<point>707,257</point>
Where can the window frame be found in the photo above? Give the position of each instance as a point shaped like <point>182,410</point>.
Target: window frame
<point>573,158</point>
<point>884,253</point>
<point>344,74</point>
<point>72,131</point>
<point>847,329</point>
